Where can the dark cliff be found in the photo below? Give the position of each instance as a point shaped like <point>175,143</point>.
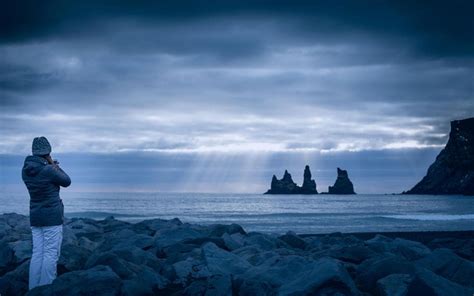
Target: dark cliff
<point>287,186</point>
<point>343,184</point>
<point>453,170</point>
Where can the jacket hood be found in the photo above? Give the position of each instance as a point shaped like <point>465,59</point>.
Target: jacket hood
<point>33,165</point>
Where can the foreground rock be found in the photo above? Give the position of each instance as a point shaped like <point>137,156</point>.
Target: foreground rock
<point>343,184</point>
<point>287,186</point>
<point>453,170</point>
<point>168,257</point>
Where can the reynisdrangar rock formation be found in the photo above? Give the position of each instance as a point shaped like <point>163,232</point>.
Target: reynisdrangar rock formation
<point>343,184</point>
<point>309,185</point>
<point>287,186</point>
<point>453,170</point>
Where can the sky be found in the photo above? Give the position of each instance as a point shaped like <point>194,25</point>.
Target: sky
<point>217,96</point>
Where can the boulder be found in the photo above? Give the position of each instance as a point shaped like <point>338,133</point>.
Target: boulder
<point>124,238</point>
<point>197,242</point>
<point>145,282</point>
<point>453,170</point>
<point>69,237</point>
<point>151,226</point>
<point>140,257</point>
<point>448,265</point>
<point>254,255</point>
<point>324,277</point>
<point>293,240</point>
<point>21,250</point>
<point>352,254</point>
<point>87,244</point>
<point>219,261</point>
<point>6,257</point>
<point>262,241</point>
<point>176,252</point>
<point>462,247</point>
<point>190,269</point>
<point>221,229</point>
<point>168,236</point>
<point>72,257</point>
<point>407,249</point>
<point>99,280</point>
<point>394,285</point>
<point>429,283</point>
<point>296,275</point>
<point>88,228</point>
<point>251,287</point>
<point>233,241</point>
<point>216,285</point>
<point>15,282</point>
<point>343,184</point>
<point>123,268</point>
<point>374,269</point>
<point>19,223</point>
<point>314,243</point>
<point>110,224</point>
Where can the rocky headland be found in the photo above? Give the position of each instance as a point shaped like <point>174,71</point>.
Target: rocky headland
<point>343,184</point>
<point>168,257</point>
<point>453,170</point>
<point>287,186</point>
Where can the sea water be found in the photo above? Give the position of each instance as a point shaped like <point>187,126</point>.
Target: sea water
<point>271,213</point>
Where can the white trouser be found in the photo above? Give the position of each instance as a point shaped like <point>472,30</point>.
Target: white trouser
<point>46,250</point>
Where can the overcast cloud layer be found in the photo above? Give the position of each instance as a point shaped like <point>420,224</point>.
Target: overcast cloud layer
<point>240,77</point>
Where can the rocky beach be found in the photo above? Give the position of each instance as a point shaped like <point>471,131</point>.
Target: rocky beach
<point>168,257</point>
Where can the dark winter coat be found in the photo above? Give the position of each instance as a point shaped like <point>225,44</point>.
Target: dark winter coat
<point>43,180</point>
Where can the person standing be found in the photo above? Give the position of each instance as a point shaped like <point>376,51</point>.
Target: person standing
<point>43,178</point>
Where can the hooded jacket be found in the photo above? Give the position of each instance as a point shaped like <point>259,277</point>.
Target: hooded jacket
<point>43,181</point>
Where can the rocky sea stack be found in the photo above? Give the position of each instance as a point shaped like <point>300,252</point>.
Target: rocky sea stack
<point>453,170</point>
<point>343,184</point>
<point>287,186</point>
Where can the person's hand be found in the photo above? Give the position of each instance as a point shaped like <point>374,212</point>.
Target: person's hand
<point>50,160</point>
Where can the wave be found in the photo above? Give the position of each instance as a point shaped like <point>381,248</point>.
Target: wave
<point>431,217</point>
<point>97,214</point>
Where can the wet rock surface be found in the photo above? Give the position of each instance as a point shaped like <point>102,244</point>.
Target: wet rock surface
<point>453,170</point>
<point>168,257</point>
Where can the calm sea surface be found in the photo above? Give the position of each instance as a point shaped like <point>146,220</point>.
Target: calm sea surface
<point>272,213</point>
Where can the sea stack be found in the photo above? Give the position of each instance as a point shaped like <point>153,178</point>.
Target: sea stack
<point>343,184</point>
<point>309,185</point>
<point>453,170</point>
<point>287,186</point>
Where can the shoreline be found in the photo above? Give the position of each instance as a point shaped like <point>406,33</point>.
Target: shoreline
<point>169,257</point>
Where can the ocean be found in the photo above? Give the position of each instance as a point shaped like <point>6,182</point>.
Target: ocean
<point>302,214</point>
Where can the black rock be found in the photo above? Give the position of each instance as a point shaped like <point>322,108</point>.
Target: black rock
<point>293,240</point>
<point>447,264</point>
<point>309,185</point>
<point>429,283</point>
<point>376,268</point>
<point>287,186</point>
<point>99,280</point>
<point>453,170</point>
<point>343,184</point>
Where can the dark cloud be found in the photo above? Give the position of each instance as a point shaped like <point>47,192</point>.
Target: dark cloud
<point>435,28</point>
